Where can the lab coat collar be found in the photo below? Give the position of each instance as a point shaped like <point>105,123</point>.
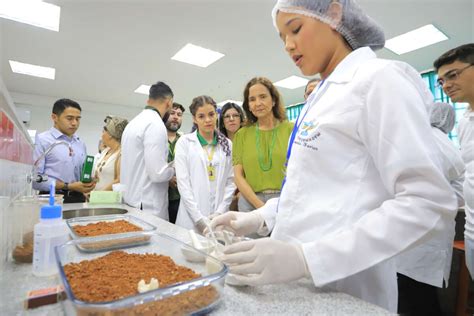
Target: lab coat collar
<point>153,109</point>
<point>58,134</point>
<point>469,112</point>
<point>347,68</point>
<point>204,142</point>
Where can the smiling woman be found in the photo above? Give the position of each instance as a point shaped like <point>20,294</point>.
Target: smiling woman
<point>260,147</point>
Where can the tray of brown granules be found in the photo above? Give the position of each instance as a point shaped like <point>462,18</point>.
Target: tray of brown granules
<point>108,282</point>
<point>90,227</point>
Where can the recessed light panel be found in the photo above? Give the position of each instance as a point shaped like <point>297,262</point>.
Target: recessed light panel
<point>292,82</point>
<point>32,70</point>
<point>37,13</point>
<point>198,56</point>
<point>416,39</point>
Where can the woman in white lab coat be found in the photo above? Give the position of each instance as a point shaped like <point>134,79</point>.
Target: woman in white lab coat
<point>203,163</point>
<point>363,183</point>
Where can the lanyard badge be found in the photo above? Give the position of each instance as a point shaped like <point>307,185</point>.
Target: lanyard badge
<point>211,170</point>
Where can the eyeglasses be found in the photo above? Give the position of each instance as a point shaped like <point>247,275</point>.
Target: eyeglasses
<point>229,117</point>
<point>450,76</point>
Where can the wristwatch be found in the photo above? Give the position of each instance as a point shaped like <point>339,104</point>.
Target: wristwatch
<point>66,186</point>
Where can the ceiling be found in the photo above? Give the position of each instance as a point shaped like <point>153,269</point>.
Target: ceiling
<point>105,49</point>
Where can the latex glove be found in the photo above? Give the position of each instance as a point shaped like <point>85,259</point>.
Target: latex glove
<point>240,223</point>
<point>202,224</point>
<point>265,261</point>
<point>213,215</point>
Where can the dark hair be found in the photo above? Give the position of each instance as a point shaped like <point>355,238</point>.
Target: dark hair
<point>176,105</point>
<point>225,108</point>
<point>60,105</point>
<point>160,91</point>
<point>310,82</point>
<point>201,101</point>
<point>463,53</point>
<point>278,108</point>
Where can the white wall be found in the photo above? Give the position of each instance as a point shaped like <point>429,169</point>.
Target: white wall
<point>93,115</point>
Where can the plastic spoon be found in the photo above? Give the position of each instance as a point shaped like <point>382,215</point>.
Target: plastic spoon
<point>194,239</point>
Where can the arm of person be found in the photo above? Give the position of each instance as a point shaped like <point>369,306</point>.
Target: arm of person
<point>245,188</point>
<point>39,150</point>
<point>116,174</point>
<point>183,177</point>
<point>457,186</point>
<point>395,130</point>
<point>155,156</point>
<point>229,187</point>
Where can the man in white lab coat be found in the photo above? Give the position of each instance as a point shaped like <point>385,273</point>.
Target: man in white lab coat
<point>456,76</point>
<point>144,172</point>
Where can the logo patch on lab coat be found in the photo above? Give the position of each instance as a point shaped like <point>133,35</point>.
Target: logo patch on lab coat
<point>308,133</point>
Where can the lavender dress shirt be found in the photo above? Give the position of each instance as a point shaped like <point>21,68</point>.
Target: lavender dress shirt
<point>58,163</point>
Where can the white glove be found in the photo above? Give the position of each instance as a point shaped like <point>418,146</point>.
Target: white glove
<point>213,215</point>
<point>240,223</point>
<point>265,261</point>
<point>202,224</point>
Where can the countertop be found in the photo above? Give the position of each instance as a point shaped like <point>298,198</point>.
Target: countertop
<point>296,298</point>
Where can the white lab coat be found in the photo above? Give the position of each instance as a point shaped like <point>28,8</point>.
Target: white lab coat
<point>363,182</point>
<point>144,174</point>
<point>193,181</point>
<point>430,262</point>
<point>466,140</point>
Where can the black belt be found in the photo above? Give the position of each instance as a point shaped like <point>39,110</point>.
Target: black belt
<point>69,196</point>
<point>64,192</point>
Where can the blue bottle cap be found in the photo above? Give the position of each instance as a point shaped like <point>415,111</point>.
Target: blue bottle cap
<point>51,210</point>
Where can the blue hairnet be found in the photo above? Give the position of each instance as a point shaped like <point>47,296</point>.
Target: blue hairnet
<point>443,116</point>
<point>358,29</point>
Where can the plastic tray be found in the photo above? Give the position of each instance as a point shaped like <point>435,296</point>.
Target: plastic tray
<point>159,299</point>
<point>129,239</point>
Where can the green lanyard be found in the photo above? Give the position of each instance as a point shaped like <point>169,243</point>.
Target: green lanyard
<point>263,166</point>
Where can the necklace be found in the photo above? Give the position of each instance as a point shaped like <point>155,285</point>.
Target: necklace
<point>263,166</point>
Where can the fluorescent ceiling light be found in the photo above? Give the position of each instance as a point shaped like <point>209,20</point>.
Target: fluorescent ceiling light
<point>221,104</point>
<point>424,36</point>
<point>143,89</point>
<point>197,56</point>
<point>292,82</point>
<point>37,13</point>
<point>32,70</point>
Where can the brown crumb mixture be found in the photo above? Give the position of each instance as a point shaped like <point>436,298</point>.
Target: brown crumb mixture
<point>105,228</point>
<point>116,275</point>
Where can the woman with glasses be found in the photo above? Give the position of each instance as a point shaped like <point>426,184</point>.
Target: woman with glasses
<point>231,119</point>
<point>203,163</point>
<point>363,180</point>
<point>259,151</point>
<point>107,168</point>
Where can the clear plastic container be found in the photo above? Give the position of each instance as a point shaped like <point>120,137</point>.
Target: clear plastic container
<point>129,239</point>
<point>49,233</point>
<point>159,301</point>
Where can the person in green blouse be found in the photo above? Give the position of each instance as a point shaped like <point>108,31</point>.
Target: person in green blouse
<point>259,148</point>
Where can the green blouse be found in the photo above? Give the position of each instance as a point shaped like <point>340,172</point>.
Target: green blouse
<point>246,153</point>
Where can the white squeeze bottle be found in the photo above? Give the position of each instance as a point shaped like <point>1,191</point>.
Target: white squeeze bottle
<point>50,232</point>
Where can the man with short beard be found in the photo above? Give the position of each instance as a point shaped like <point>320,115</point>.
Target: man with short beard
<point>173,124</point>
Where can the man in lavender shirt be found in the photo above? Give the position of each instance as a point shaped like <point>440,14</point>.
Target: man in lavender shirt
<point>63,163</point>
